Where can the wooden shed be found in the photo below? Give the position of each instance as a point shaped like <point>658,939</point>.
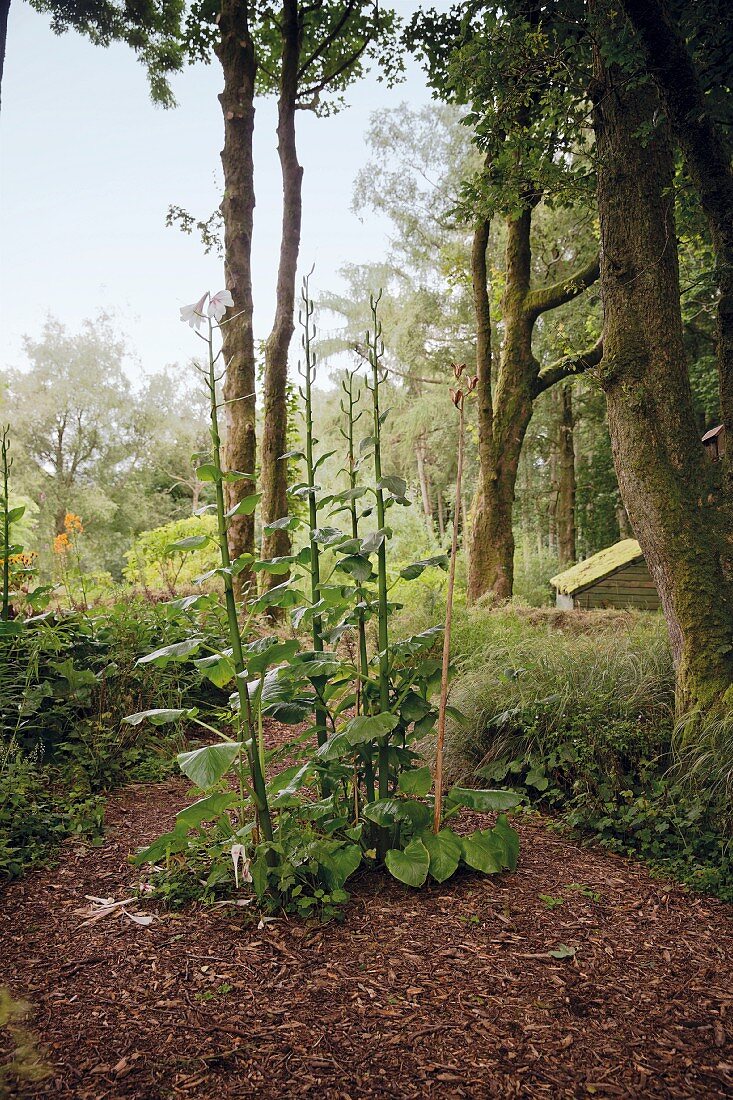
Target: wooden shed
<point>615,577</point>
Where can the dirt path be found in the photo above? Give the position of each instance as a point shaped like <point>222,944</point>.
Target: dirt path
<point>445,992</point>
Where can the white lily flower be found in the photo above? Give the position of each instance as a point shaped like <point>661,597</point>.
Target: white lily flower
<point>239,852</point>
<point>194,314</point>
<point>219,303</point>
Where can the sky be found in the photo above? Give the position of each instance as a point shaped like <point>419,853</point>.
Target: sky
<point>89,167</point>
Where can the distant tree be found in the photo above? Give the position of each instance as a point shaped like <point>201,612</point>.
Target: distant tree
<point>73,412</point>
<point>506,62</point>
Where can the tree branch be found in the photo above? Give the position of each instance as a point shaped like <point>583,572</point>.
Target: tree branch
<point>550,297</point>
<point>329,39</point>
<point>567,366</point>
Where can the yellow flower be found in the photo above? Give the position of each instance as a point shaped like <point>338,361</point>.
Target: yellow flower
<point>61,543</point>
<point>72,523</point>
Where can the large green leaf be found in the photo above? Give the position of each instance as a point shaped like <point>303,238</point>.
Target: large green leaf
<point>385,811</point>
<point>340,862</point>
<point>369,727</point>
<point>444,849</point>
<point>206,766</point>
<point>264,652</point>
<point>410,572</point>
<point>158,717</point>
<point>509,839</point>
<point>204,810</point>
<point>246,506</point>
<point>358,567</point>
<point>480,853</point>
<point>218,668</point>
<point>193,542</point>
<point>179,651</point>
<point>410,866</point>
<point>416,781</point>
<point>483,801</point>
<point>161,848</point>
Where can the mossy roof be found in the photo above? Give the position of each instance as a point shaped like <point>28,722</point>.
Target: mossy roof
<point>587,573</point>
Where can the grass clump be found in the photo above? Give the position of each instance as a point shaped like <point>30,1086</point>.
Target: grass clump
<point>576,711</point>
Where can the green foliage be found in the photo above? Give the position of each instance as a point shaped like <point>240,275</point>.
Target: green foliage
<point>582,724</point>
<point>159,560</point>
<point>360,796</point>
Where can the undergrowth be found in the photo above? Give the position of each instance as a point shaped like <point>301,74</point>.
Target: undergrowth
<point>577,714</point>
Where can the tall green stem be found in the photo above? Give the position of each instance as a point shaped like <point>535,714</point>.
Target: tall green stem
<point>315,567</point>
<point>351,420</point>
<point>376,351</point>
<point>438,779</point>
<point>5,446</point>
<point>245,704</point>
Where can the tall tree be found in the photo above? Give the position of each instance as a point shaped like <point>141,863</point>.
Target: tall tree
<point>306,53</point>
<point>508,63</point>
<point>323,47</point>
<point>674,496</point>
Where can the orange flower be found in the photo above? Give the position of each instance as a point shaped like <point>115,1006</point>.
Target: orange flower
<point>72,523</point>
<point>61,543</point>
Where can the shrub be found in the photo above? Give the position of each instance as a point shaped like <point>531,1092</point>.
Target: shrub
<point>152,565</point>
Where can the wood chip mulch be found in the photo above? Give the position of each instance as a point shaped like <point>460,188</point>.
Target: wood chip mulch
<point>445,992</point>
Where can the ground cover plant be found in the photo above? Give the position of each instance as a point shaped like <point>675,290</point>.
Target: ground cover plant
<point>362,794</point>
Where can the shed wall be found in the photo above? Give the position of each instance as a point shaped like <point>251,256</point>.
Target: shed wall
<point>631,586</point>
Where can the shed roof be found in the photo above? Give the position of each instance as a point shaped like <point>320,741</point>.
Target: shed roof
<point>587,573</point>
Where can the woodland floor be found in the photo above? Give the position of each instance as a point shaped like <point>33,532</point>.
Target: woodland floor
<point>444,992</point>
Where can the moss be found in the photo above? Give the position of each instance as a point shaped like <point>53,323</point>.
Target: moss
<point>588,572</point>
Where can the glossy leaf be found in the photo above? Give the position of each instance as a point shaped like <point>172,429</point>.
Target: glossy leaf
<point>417,781</point>
<point>369,727</point>
<point>411,865</point>
<point>444,849</point>
<point>206,766</point>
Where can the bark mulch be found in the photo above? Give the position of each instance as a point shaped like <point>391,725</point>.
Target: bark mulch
<point>445,992</point>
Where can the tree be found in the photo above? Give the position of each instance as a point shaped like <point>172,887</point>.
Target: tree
<point>151,29</point>
<point>74,412</point>
<point>675,497</point>
<point>306,53</point>
<point>509,64</point>
<point>323,47</point>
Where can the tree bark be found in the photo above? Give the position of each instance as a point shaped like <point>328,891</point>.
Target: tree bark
<point>708,160</point>
<point>236,53</point>
<point>4,13</point>
<point>565,512</point>
<point>274,438</point>
<point>673,497</point>
<point>505,409</point>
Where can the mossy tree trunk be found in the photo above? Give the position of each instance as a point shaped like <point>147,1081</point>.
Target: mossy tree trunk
<point>236,53</point>
<point>673,496</point>
<point>505,404</point>
<point>274,436</point>
<point>565,507</point>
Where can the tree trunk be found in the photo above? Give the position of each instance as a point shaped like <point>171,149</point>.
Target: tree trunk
<point>503,420</point>
<point>672,495</point>
<point>274,438</point>
<point>565,511</point>
<point>235,50</point>
<point>707,156</point>
<point>4,13</point>
<point>423,480</point>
